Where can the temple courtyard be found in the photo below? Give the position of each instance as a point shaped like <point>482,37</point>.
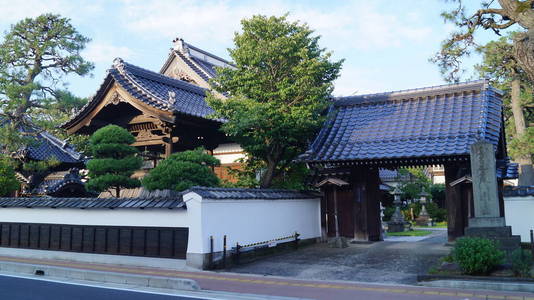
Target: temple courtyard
<point>396,260</point>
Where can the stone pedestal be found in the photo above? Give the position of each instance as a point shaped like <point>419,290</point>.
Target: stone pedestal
<point>338,242</point>
<point>487,221</point>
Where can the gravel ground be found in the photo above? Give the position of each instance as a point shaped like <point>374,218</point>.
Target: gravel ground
<point>384,262</point>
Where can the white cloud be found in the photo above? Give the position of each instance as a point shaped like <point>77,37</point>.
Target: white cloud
<point>99,52</point>
<point>359,25</point>
<point>13,11</point>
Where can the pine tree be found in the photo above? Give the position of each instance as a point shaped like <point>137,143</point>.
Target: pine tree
<point>114,160</point>
<point>183,170</point>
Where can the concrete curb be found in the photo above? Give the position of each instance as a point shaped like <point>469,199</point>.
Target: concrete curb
<point>481,285</point>
<point>100,276</point>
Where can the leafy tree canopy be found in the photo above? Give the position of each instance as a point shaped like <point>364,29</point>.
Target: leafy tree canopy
<point>280,86</point>
<point>183,170</point>
<point>35,56</point>
<point>114,160</point>
<point>8,181</point>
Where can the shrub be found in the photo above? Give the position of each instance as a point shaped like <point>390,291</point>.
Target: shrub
<point>476,255</point>
<point>522,262</point>
<point>436,213</point>
<point>183,170</point>
<point>114,160</point>
<point>8,180</point>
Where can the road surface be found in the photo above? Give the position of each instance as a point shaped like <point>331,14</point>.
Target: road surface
<point>18,288</point>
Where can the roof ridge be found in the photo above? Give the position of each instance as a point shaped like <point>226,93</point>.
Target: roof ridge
<point>206,188</point>
<point>63,145</point>
<point>148,74</point>
<point>482,83</point>
<point>207,53</point>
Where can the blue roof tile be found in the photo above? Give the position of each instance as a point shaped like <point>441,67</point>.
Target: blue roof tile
<point>157,90</point>
<point>439,121</point>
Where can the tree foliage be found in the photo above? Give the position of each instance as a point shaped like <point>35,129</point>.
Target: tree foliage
<point>492,15</point>
<point>276,93</point>
<point>183,170</point>
<point>500,66</point>
<point>35,56</point>
<point>114,160</point>
<point>8,181</point>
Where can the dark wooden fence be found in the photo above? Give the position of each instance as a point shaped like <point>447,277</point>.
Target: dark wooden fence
<point>162,242</point>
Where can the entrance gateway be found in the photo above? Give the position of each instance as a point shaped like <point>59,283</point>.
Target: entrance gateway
<point>420,127</point>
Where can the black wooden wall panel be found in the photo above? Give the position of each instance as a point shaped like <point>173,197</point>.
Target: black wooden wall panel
<point>140,241</point>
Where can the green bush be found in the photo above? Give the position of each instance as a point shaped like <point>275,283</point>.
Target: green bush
<point>114,161</point>
<point>436,213</point>
<point>183,170</point>
<point>522,262</point>
<point>8,180</point>
<point>476,256</point>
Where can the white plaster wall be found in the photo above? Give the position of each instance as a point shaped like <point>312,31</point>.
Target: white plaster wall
<point>228,158</point>
<point>519,213</point>
<point>251,221</point>
<point>111,217</point>
<point>243,221</point>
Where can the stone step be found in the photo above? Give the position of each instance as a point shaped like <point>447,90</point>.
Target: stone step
<point>489,232</point>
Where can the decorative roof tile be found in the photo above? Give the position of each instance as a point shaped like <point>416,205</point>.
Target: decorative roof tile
<point>244,194</point>
<point>431,122</point>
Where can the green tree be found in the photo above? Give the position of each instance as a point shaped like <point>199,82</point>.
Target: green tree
<point>35,56</point>
<point>412,182</point>
<point>491,15</point>
<point>277,91</point>
<point>183,170</point>
<point>114,160</point>
<point>499,64</point>
<point>8,181</point>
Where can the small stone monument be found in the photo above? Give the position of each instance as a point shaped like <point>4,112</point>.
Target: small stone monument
<point>487,221</point>
<point>423,219</point>
<point>397,222</point>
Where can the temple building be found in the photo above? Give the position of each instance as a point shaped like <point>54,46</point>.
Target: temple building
<point>165,111</point>
<point>61,179</point>
<point>434,126</point>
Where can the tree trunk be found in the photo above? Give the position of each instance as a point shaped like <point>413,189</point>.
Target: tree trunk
<point>524,52</point>
<point>526,171</point>
<point>118,192</point>
<point>267,177</point>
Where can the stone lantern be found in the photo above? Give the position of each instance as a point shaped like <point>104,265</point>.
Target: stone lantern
<point>423,219</point>
<point>397,222</point>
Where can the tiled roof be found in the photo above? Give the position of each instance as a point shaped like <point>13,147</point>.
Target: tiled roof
<point>87,203</point>
<point>439,121</point>
<point>46,146</point>
<point>53,186</point>
<point>141,192</point>
<point>157,90</point>
<point>206,66</point>
<point>518,191</point>
<point>49,146</point>
<point>239,193</point>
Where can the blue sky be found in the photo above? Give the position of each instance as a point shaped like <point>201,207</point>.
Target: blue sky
<point>386,43</point>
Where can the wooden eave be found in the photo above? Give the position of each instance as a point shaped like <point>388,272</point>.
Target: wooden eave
<point>113,94</point>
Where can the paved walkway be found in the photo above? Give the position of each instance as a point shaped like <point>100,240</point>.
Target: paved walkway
<point>397,262</point>
<point>279,286</point>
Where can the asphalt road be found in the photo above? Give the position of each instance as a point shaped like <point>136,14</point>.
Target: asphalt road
<point>15,288</point>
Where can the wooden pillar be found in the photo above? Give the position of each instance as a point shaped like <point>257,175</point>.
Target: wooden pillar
<point>367,225</point>
<point>453,198</point>
<point>168,147</point>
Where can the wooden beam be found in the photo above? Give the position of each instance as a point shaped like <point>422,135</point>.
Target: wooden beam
<point>115,95</point>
